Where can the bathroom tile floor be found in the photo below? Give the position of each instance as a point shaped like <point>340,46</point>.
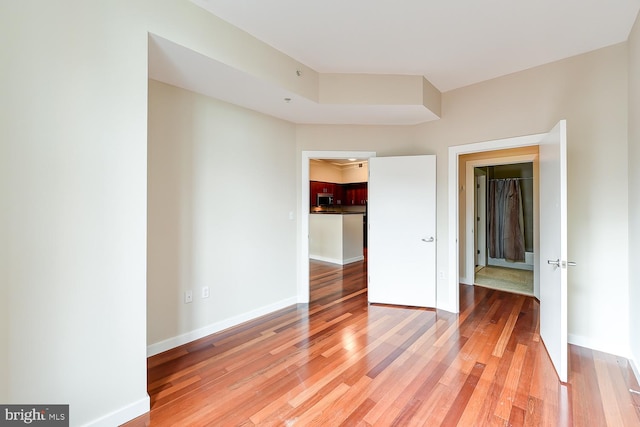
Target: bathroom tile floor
<point>505,279</point>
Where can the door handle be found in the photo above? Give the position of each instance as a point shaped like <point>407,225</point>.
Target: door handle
<point>568,263</point>
<point>556,262</point>
<point>431,239</point>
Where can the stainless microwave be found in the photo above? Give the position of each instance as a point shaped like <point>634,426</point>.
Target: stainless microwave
<point>324,199</point>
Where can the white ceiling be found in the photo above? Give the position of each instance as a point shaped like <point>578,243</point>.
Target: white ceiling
<point>451,43</point>
<point>176,65</point>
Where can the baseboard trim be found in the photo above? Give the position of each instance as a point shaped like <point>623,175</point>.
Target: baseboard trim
<point>352,260</point>
<point>196,334</point>
<point>634,369</point>
<point>585,342</point>
<point>337,260</point>
<point>123,415</point>
<point>326,259</point>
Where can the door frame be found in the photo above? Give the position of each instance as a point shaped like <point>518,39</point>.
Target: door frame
<point>479,221</point>
<point>303,235</point>
<point>453,303</point>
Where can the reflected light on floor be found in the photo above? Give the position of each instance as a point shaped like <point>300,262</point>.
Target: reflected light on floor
<point>349,341</point>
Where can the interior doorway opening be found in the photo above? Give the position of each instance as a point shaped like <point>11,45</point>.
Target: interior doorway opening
<point>338,201</point>
<point>501,188</point>
<point>304,209</point>
<point>503,234</point>
<point>457,266</point>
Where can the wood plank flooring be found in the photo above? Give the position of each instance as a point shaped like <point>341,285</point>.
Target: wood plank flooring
<point>341,362</point>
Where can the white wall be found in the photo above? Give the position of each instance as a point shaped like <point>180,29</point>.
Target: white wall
<point>74,119</point>
<point>4,261</point>
<point>634,191</point>
<point>219,196</point>
<point>74,151</point>
<point>590,91</point>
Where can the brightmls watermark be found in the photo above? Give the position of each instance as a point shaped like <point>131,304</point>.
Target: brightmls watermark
<point>36,415</point>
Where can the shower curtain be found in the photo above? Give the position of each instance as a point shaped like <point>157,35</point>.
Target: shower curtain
<point>506,220</point>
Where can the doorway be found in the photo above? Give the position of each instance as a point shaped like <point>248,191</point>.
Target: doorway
<point>303,261</point>
<point>460,265</point>
<point>503,229</point>
<point>480,168</point>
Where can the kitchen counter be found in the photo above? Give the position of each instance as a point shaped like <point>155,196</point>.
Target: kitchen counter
<point>336,237</point>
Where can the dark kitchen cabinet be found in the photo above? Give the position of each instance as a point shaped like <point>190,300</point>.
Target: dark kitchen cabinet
<point>316,187</point>
<point>338,195</point>
<point>356,193</point>
<point>343,194</point>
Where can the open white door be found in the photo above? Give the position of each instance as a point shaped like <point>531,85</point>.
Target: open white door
<point>553,246</point>
<point>402,230</point>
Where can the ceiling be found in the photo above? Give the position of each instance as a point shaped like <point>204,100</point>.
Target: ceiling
<point>451,43</point>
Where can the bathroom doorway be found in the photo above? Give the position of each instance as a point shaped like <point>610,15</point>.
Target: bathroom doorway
<point>498,255</point>
<point>504,227</point>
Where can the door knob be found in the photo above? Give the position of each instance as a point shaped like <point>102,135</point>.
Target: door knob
<point>552,262</point>
<point>431,239</point>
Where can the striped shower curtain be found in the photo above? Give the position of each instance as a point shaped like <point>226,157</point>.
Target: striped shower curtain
<point>506,221</point>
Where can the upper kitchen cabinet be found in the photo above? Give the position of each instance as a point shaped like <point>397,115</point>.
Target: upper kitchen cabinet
<point>356,193</point>
<point>344,179</point>
<point>316,187</point>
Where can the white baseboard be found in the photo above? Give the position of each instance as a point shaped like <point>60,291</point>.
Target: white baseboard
<point>354,259</point>
<point>634,368</point>
<point>583,341</point>
<point>337,260</point>
<point>526,265</point>
<point>168,344</point>
<point>325,259</point>
<point>123,415</point>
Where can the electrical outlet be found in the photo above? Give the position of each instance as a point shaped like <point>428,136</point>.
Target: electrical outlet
<point>442,274</point>
<point>205,292</point>
<point>188,297</point>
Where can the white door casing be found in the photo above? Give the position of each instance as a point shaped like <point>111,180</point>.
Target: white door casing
<point>553,246</point>
<point>402,230</point>
<point>481,221</point>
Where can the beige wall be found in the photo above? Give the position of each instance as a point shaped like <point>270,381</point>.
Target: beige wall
<point>634,194</point>
<point>74,121</point>
<point>358,172</point>
<point>325,171</point>
<point>74,148</point>
<point>590,91</point>
<point>219,198</point>
<point>320,170</point>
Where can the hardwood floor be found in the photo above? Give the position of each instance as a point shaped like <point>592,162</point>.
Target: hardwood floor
<point>339,361</point>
